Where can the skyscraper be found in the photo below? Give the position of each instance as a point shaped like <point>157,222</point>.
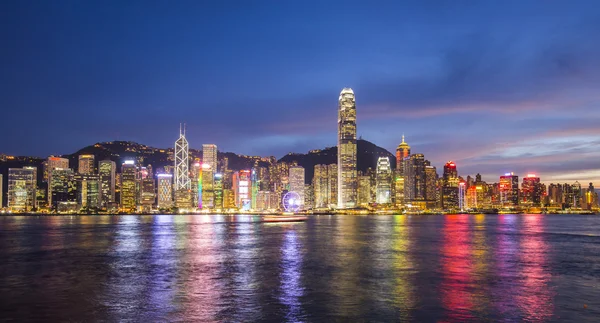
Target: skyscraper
<point>63,187</point>
<point>107,171</point>
<point>402,152</point>
<point>182,172</point>
<point>531,190</point>
<point>207,187</point>
<point>86,164</point>
<point>383,181</point>
<point>415,180</point>
<point>321,186</point>
<point>209,156</point>
<point>89,191</point>
<point>1,192</point>
<point>218,191</point>
<point>347,177</point>
<point>165,191</point>
<point>450,187</point>
<point>21,189</point>
<point>129,182</point>
<point>296,178</point>
<point>52,163</point>
<point>509,189</point>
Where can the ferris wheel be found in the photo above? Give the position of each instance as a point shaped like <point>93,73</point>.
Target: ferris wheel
<point>291,202</point>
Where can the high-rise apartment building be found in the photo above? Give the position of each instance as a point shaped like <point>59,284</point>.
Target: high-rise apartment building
<point>209,156</point>
<point>347,176</point>
<point>165,191</point>
<point>89,191</point>
<point>183,197</point>
<point>296,179</point>
<point>383,181</point>
<point>129,183</point>
<point>107,172</point>
<point>21,189</point>
<point>86,164</point>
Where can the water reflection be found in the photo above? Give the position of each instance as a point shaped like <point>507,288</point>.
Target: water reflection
<point>405,297</point>
<point>457,269</point>
<point>291,286</point>
<point>506,259</point>
<point>535,297</point>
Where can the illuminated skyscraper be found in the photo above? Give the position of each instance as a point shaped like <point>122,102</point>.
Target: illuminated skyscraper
<point>364,190</point>
<point>241,186</point>
<point>450,198</point>
<point>21,189</point>
<point>415,180</point>
<point>209,156</point>
<point>218,180</point>
<point>147,195</point>
<point>165,191</point>
<point>89,191</point>
<point>431,193</point>
<point>531,190</point>
<point>63,187</point>
<point>52,163</point>
<point>1,192</point>
<point>129,182</point>
<point>296,178</point>
<point>402,152</point>
<point>509,190</point>
<point>196,183</point>
<point>347,177</point>
<point>107,172</point>
<point>384,181</point>
<point>321,186</point>
<point>332,173</point>
<point>207,187</point>
<point>86,164</point>
<point>182,172</point>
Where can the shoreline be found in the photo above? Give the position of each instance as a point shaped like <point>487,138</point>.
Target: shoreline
<point>301,213</point>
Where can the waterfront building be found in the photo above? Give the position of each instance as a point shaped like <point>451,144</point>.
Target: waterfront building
<point>1,191</point>
<point>63,187</point>
<point>332,172</point>
<point>196,183</point>
<point>147,193</point>
<point>347,176</point>
<point>129,183</point>
<point>209,156</point>
<point>321,186</point>
<point>263,201</point>
<point>450,187</point>
<point>218,191</point>
<point>296,182</point>
<point>577,195</point>
<point>509,190</point>
<point>431,190</point>
<point>165,191</point>
<point>107,172</point>
<point>364,190</point>
<point>383,181</point>
<point>309,197</point>
<point>415,180</point>
<point>183,198</point>
<point>89,191</point>
<point>86,164</point>
<point>241,187</point>
<point>531,191</point>
<point>207,187</point>
<point>52,163</point>
<point>21,189</point>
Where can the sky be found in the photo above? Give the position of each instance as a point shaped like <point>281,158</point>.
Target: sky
<point>496,86</point>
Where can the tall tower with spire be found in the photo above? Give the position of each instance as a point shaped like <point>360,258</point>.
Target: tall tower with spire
<point>182,171</point>
<point>347,177</point>
<point>402,152</point>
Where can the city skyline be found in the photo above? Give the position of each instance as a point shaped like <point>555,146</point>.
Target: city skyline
<point>521,99</point>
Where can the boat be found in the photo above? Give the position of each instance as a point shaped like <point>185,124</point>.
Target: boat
<point>284,218</point>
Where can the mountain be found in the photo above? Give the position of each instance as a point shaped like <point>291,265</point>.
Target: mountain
<point>367,155</point>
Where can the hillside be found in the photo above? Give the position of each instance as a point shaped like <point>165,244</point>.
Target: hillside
<point>367,155</point>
